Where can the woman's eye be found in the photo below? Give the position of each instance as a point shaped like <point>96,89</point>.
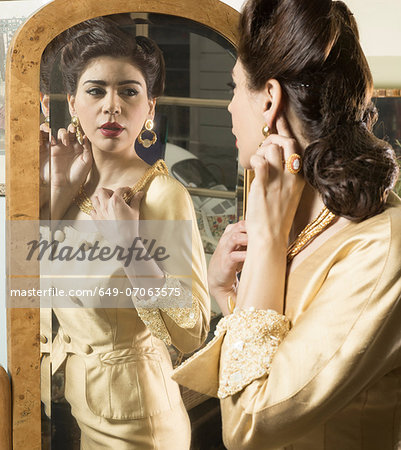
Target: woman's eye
<point>232,86</point>
<point>130,92</point>
<point>95,91</point>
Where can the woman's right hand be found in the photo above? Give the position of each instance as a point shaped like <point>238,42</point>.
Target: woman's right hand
<point>70,162</point>
<point>70,165</point>
<point>226,262</point>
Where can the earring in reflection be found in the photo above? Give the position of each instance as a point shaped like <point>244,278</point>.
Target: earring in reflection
<point>78,133</point>
<point>147,128</point>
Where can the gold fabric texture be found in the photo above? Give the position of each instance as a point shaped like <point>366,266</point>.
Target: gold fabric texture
<point>184,317</point>
<point>335,380</point>
<point>125,369</point>
<point>252,339</point>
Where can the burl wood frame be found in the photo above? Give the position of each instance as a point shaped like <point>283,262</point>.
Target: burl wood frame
<point>22,164</point>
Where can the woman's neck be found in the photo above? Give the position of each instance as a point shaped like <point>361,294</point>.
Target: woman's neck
<point>111,170</point>
<point>311,202</point>
<point>309,208</point>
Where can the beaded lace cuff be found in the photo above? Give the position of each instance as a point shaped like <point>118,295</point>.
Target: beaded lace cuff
<point>183,317</point>
<point>252,338</point>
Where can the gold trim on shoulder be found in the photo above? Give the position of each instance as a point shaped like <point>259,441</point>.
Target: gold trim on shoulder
<point>84,203</point>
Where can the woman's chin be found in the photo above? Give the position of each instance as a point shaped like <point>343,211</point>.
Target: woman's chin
<point>245,162</point>
<point>112,146</point>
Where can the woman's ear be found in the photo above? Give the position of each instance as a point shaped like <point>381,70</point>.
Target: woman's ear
<point>152,107</point>
<point>71,104</point>
<point>273,101</point>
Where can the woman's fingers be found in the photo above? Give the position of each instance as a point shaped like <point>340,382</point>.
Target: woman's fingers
<point>273,154</point>
<point>101,198</point>
<point>238,256</point>
<point>44,127</point>
<point>104,193</point>
<point>232,249</point>
<point>118,198</point>
<point>96,207</point>
<point>112,205</point>
<point>71,136</point>
<point>234,243</point>
<point>87,151</point>
<point>44,141</point>
<point>283,128</point>
<point>239,226</point>
<point>62,136</point>
<point>260,165</point>
<point>71,129</point>
<point>238,239</point>
<point>119,192</point>
<point>136,200</point>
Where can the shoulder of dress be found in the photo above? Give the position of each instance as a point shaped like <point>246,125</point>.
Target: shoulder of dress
<point>164,184</point>
<point>166,198</point>
<point>390,218</point>
<point>380,233</point>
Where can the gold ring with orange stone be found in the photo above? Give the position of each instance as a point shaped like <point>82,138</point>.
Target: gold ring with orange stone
<point>294,164</point>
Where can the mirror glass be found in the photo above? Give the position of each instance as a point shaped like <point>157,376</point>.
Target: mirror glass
<point>194,138</point>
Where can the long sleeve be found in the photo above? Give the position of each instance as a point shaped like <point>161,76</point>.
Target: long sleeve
<point>344,339</point>
<point>185,327</point>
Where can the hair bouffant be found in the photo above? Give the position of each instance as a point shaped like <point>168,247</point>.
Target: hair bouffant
<point>103,37</point>
<point>312,48</point>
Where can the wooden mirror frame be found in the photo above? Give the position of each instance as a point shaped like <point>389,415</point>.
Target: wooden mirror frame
<point>22,164</point>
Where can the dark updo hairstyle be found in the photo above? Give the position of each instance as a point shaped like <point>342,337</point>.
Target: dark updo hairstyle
<point>312,48</point>
<point>103,37</point>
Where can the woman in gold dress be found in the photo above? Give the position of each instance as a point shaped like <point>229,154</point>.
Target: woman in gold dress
<point>308,355</point>
<point>117,374</point>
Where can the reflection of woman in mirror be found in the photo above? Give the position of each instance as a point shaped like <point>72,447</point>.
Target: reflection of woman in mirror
<point>311,355</point>
<point>118,367</point>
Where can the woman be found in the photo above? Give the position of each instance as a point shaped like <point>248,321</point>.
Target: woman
<point>117,375</point>
<point>311,356</point>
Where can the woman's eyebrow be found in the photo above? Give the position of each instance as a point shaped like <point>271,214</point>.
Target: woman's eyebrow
<point>130,82</point>
<point>104,83</point>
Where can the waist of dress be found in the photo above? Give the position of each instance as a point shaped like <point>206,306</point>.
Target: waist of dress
<point>97,356</point>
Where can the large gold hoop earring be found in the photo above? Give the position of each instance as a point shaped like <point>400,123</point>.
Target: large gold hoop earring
<point>78,133</point>
<point>147,128</point>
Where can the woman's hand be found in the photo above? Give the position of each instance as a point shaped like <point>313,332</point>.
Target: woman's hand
<point>44,152</point>
<point>272,203</point>
<point>117,221</point>
<point>70,164</point>
<point>70,161</point>
<point>275,192</point>
<point>226,262</point>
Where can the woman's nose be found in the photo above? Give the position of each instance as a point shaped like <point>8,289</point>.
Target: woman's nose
<point>111,104</point>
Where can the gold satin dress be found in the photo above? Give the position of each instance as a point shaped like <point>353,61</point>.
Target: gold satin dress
<point>335,379</point>
<point>118,369</point>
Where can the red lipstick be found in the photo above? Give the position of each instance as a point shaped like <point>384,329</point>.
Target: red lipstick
<point>111,129</point>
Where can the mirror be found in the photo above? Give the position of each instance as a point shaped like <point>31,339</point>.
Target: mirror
<point>194,138</point>
<point>194,109</point>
